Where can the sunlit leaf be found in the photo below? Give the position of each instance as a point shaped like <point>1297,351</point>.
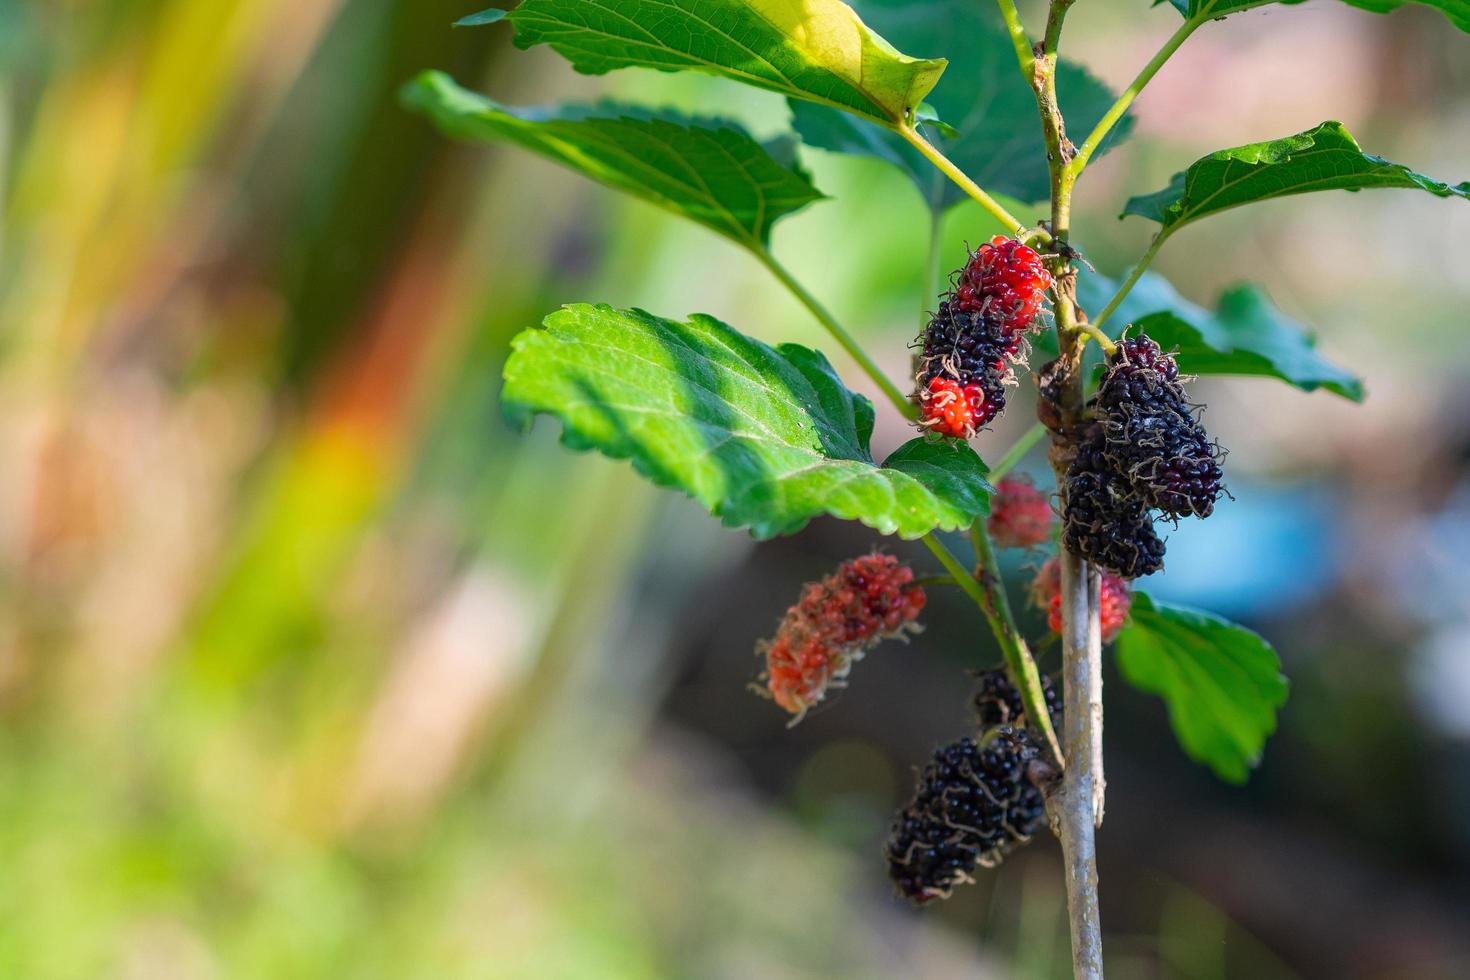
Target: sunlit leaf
<point>1246,334</point>
<point>1321,159</point>
<point>1221,683</point>
<point>815,49</point>
<point>710,171</point>
<point>1458,11</point>
<point>984,100</point>
<point>766,438</point>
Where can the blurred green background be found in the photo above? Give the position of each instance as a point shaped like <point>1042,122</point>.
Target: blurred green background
<point>309,667</point>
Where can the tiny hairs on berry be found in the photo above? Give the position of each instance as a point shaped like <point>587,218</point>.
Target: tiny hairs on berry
<point>969,344</point>
<point>974,803</point>
<point>834,622</point>
<point>1152,435</point>
<point>1104,520</point>
<point>1147,452</point>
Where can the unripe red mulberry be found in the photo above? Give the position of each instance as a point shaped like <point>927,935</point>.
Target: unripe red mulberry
<point>1006,281</point>
<point>1020,515</point>
<point>969,344</point>
<point>834,623</point>
<point>1116,599</point>
<point>974,803</point>
<point>954,410</point>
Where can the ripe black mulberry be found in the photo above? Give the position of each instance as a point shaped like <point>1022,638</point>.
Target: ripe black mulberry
<point>974,803</point>
<point>1104,519</point>
<point>998,702</point>
<point>1152,435</point>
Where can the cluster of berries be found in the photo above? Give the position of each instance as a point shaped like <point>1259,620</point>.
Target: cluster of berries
<point>976,800</point>
<point>969,344</point>
<point>1146,452</point>
<point>1115,600</point>
<point>836,621</point>
<point>1021,517</point>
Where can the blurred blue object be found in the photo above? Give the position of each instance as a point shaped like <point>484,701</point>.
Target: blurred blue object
<point>1270,549</point>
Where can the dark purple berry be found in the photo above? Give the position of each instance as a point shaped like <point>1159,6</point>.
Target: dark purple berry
<point>998,702</point>
<point>974,803</point>
<point>1104,520</point>
<point>1153,437</point>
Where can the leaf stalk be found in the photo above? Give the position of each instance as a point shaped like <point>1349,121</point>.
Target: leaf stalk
<point>961,179</point>
<point>1133,276</point>
<point>847,341</point>
<point>1125,99</point>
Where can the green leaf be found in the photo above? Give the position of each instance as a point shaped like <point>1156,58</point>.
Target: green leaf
<point>815,49</point>
<point>929,116</point>
<point>483,17</point>
<point>766,438</point>
<point>1221,683</point>
<point>1458,11</point>
<point>984,98</point>
<point>1245,335</point>
<point>1321,159</point>
<point>709,171</point>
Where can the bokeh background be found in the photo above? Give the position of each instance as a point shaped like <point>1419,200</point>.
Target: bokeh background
<point>310,667</point>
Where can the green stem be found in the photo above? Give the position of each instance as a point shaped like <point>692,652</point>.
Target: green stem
<point>1131,281</point>
<point>1119,107</point>
<point>1018,656</point>
<point>849,343</point>
<point>988,591</point>
<point>1053,37</point>
<point>1103,340</point>
<point>1017,30</point>
<point>928,580</point>
<point>1017,452</point>
<point>954,173</point>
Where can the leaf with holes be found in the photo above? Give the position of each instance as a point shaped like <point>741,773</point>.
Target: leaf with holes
<point>1458,11</point>
<point>816,49</point>
<point>1320,159</point>
<point>984,101</point>
<point>766,438</point>
<point>709,171</point>
<point>1246,334</point>
<point>1221,683</point>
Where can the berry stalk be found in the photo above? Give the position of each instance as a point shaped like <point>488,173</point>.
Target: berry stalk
<point>988,593</point>
<point>1019,663</point>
